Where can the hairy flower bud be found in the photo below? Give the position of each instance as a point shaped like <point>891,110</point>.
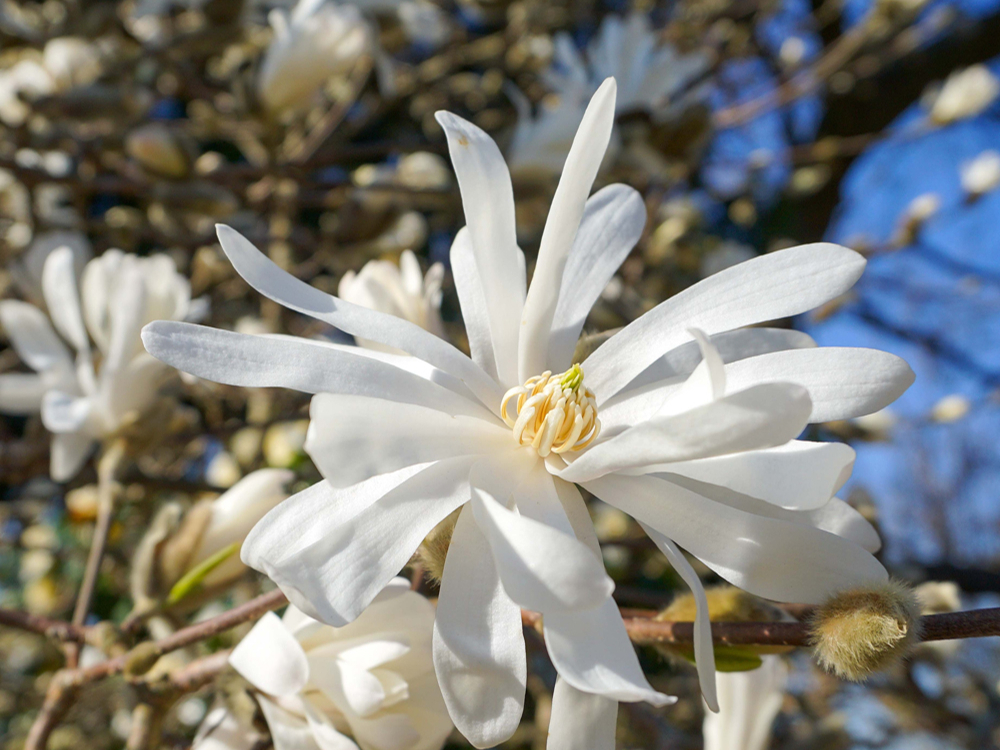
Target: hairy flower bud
<point>865,630</point>
<point>434,549</point>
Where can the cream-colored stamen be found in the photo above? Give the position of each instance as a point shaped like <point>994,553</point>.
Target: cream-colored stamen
<point>554,414</point>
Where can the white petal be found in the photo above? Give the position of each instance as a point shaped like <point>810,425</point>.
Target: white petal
<point>612,223</point>
<point>542,569</point>
<point>69,452</point>
<point>772,558</point>
<point>478,643</point>
<point>472,300</point>
<point>324,733</point>
<point>288,731</point>
<point>62,297</point>
<point>351,438</point>
<point>336,576</point>
<point>799,475</point>
<point>221,730</point>
<point>842,382</point>
<point>841,519</point>
<point>561,226</point>
<point>301,364</point>
<point>581,721</point>
<point>21,393</point>
<point>706,383</point>
<point>388,731</point>
<point>592,652</point>
<point>759,417</point>
<point>32,337</point>
<point>352,689</point>
<point>62,412</point>
<point>748,703</point>
<point>271,659</point>
<point>644,395</point>
<point>128,306</point>
<point>770,287</point>
<point>488,202</point>
<point>704,649</point>
<point>280,286</point>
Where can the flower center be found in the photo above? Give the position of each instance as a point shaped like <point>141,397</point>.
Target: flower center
<point>554,413</point>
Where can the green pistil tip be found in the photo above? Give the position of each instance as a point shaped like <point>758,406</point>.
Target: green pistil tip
<point>572,378</point>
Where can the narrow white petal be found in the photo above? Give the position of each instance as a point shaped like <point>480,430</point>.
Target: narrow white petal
<point>69,452</point>
<point>842,382</point>
<point>759,417</point>
<point>387,731</point>
<point>478,643</point>
<point>62,297</point>
<point>798,475</point>
<point>62,412</point>
<point>561,226</point>
<point>32,337</point>
<point>276,284</point>
<point>706,383</point>
<point>21,393</point>
<point>221,730</point>
<point>772,558</point>
<point>288,731</point>
<point>612,223</point>
<point>351,438</point>
<point>301,364</point>
<point>542,569</point>
<point>773,286</point>
<point>581,721</point>
<point>352,689</point>
<point>324,733</point>
<point>472,300</point>
<point>488,201</point>
<point>271,659</point>
<point>128,306</point>
<point>704,649</point>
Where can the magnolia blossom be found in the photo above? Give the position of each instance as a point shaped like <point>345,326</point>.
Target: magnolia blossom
<point>650,73</point>
<point>85,395</point>
<point>748,703</point>
<point>693,438</point>
<point>372,680</point>
<point>542,140</point>
<point>317,40</point>
<point>66,62</point>
<point>400,290</point>
<point>965,94</point>
<point>982,174</point>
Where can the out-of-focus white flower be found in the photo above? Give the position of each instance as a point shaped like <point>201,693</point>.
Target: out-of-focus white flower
<point>966,93</point>
<point>83,398</point>
<point>24,80</point>
<point>748,703</point>
<point>424,23</point>
<point>950,408</point>
<point>693,438</point>
<point>982,174</point>
<point>541,141</point>
<point>27,268</point>
<point>878,424</point>
<point>72,61</point>
<point>400,290</point>
<point>65,62</point>
<point>319,686</point>
<point>317,40</point>
<point>650,73</point>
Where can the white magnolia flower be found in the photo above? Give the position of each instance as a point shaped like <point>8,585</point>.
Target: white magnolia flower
<point>748,703</point>
<point>65,62</point>
<point>400,290</point>
<point>86,396</point>
<point>650,73</point>
<point>982,174</point>
<point>696,440</point>
<point>542,140</point>
<point>317,40</point>
<point>965,94</point>
<point>26,79</point>
<point>372,680</point>
<point>72,61</point>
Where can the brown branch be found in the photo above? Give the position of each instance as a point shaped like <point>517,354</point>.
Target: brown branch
<point>61,631</point>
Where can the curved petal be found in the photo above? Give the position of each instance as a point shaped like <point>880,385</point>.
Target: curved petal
<point>271,659</point>
<point>478,643</point>
<point>289,731</point>
<point>581,721</point>
<point>128,307</point>
<point>561,226</point>
<point>62,412</point>
<point>276,284</point>
<point>70,451</point>
<point>772,558</point>
<point>351,438</point>
<point>32,337</point>
<point>704,648</point>
<point>472,300</point>
<point>759,417</point>
<point>842,382</point>
<point>612,223</point>
<point>336,576</point>
<point>488,202</point>
<point>301,364</point>
<point>770,287</point>
<point>21,393</point>
<point>63,299</point>
<point>798,475</point>
<point>542,569</point>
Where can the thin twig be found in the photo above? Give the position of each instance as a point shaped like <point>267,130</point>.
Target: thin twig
<point>61,631</point>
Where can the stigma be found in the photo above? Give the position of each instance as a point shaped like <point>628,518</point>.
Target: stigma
<point>552,413</point>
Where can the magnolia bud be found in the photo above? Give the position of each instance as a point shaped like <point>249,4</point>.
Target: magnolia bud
<point>982,174</point>
<point>865,630</point>
<point>950,409</point>
<point>434,549</point>
<point>965,94</point>
<point>158,149</point>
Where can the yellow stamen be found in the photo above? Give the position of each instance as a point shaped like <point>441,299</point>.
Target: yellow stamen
<point>554,413</point>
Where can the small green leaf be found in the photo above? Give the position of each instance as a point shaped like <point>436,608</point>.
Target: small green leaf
<point>193,578</point>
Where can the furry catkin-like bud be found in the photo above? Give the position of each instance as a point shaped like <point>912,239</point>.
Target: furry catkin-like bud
<point>725,604</point>
<point>434,549</point>
<point>865,630</point>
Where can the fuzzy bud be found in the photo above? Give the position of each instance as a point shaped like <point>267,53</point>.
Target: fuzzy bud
<point>141,659</point>
<point>965,94</point>
<point>866,630</point>
<point>434,549</point>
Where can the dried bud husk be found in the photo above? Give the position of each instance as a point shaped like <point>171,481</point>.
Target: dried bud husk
<point>434,549</point>
<point>866,630</point>
<point>725,604</point>
<point>144,577</point>
<point>176,554</point>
